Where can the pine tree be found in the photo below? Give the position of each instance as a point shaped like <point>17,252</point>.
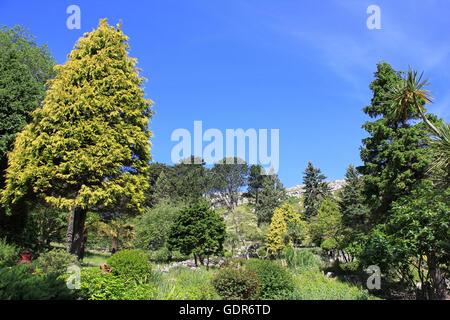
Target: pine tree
<point>87,148</point>
<point>271,196</point>
<point>255,184</point>
<point>355,213</point>
<point>316,190</point>
<point>395,155</point>
<point>226,180</point>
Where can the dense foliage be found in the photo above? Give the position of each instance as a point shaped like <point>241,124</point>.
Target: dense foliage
<point>87,148</point>
<point>131,265</point>
<point>18,283</point>
<point>198,230</point>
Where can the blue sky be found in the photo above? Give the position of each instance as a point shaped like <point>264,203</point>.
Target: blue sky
<point>302,67</point>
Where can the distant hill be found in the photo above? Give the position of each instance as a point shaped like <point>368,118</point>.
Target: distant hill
<point>297,191</point>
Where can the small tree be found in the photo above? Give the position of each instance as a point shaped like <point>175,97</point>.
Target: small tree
<point>278,238</point>
<point>198,230</point>
<point>327,223</point>
<point>415,237</point>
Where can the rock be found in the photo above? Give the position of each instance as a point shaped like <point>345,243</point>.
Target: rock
<point>330,274</point>
<point>297,191</point>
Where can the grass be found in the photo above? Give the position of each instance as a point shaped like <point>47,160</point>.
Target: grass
<point>95,258</point>
<point>183,283</point>
<point>91,258</point>
<point>313,285</point>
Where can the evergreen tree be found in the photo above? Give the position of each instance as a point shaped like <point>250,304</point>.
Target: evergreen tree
<point>395,154</point>
<point>255,184</point>
<point>154,172</point>
<point>87,148</point>
<point>278,237</point>
<point>163,188</point>
<point>190,178</point>
<point>198,230</point>
<point>355,213</point>
<point>316,190</point>
<point>271,196</point>
<point>226,180</point>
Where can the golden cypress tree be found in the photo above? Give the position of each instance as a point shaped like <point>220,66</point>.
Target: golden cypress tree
<point>277,238</point>
<point>87,147</point>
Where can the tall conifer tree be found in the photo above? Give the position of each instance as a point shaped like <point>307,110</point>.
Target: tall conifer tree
<point>87,148</point>
<point>395,154</point>
<point>316,190</point>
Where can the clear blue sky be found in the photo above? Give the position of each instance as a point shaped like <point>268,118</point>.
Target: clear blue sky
<point>303,67</point>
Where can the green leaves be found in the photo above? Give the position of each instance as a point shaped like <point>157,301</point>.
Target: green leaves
<point>197,230</point>
<point>24,69</point>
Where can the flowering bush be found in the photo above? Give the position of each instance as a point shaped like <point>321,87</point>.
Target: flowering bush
<point>106,268</point>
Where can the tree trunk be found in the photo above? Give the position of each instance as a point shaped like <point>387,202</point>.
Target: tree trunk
<point>83,244</point>
<point>428,122</point>
<point>256,208</point>
<point>438,286</point>
<point>75,232</point>
<point>115,244</point>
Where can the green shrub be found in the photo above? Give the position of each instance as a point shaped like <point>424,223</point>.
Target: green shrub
<point>275,280</point>
<point>162,255</point>
<point>55,261</point>
<point>301,260</point>
<point>329,244</point>
<point>9,254</point>
<point>98,285</point>
<point>351,267</point>
<point>233,283</point>
<point>313,285</point>
<point>18,283</point>
<point>131,265</point>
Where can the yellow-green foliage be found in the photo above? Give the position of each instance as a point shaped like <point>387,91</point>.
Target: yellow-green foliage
<point>286,228</point>
<point>277,239</point>
<point>327,223</point>
<point>88,145</point>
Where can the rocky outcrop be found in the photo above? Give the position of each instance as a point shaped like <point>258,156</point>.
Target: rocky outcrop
<point>297,191</point>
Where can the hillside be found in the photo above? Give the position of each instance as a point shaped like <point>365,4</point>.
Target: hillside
<point>297,191</point>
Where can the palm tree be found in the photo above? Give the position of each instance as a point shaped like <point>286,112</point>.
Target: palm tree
<point>113,228</point>
<point>409,93</point>
<point>441,149</point>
